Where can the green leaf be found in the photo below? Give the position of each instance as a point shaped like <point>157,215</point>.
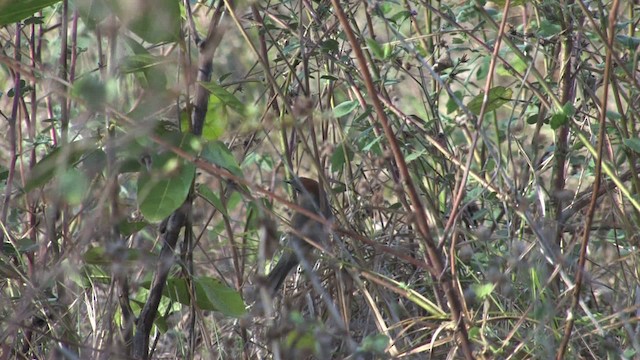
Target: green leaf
<point>328,77</point>
<point>155,21</point>
<point>483,69</point>
<point>34,20</point>
<point>376,344</point>
<point>264,161</point>
<point>385,7</point>
<point>292,46</point>
<point>223,298</point>
<point>548,28</point>
<point>466,12</point>
<point>127,228</point>
<point>497,97</point>
<point>613,115</point>
<point>217,153</point>
<point>93,163</point>
<point>368,111</point>
<point>388,51</point>
<point>482,290</point>
<point>92,12</point>
<point>73,186</point>
<point>532,119</point>
<point>422,51</point>
<point>163,189</point>
<point>17,10</point>
<point>569,109</point>
<point>146,66</point>
<point>185,120</point>
<point>401,16</point>
<point>370,145</point>
<point>225,97</point>
<point>212,198</point>
<point>220,101</point>
<point>516,64</point>
<point>414,155</point>
<point>17,247</point>
<point>341,155</point>
<point>330,45</point>
<point>98,256</point>
<point>558,120</point>
<point>57,161</point>
<point>91,274</point>
<point>216,119</point>
<point>513,3</point>
<point>92,90</point>
<point>301,341</point>
<point>190,143</point>
<point>629,353</point>
<point>210,295</point>
<point>345,108</point>
<point>138,63</point>
<point>629,42</point>
<point>375,48</point>
<point>474,332</point>
<point>633,144</point>
<point>452,105</point>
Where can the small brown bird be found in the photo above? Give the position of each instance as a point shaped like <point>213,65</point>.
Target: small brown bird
<point>312,198</point>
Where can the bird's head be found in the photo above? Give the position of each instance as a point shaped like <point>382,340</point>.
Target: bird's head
<point>304,184</point>
<point>310,189</point>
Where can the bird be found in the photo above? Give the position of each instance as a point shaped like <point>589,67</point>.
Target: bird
<point>312,198</point>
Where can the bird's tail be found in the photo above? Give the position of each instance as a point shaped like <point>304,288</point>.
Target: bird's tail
<point>276,277</point>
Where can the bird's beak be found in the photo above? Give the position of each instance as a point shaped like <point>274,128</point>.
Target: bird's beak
<point>293,182</point>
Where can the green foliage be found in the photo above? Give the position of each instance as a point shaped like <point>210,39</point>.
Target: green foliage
<point>145,64</point>
<point>210,294</point>
<point>212,198</point>
<point>165,182</point>
<point>153,21</point>
<point>345,108</point>
<point>376,344</point>
<point>58,161</point>
<point>497,97</point>
<point>217,153</point>
<point>92,91</point>
<point>99,256</point>
<point>220,101</point>
<point>341,156</point>
<point>14,11</point>
<point>164,188</point>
